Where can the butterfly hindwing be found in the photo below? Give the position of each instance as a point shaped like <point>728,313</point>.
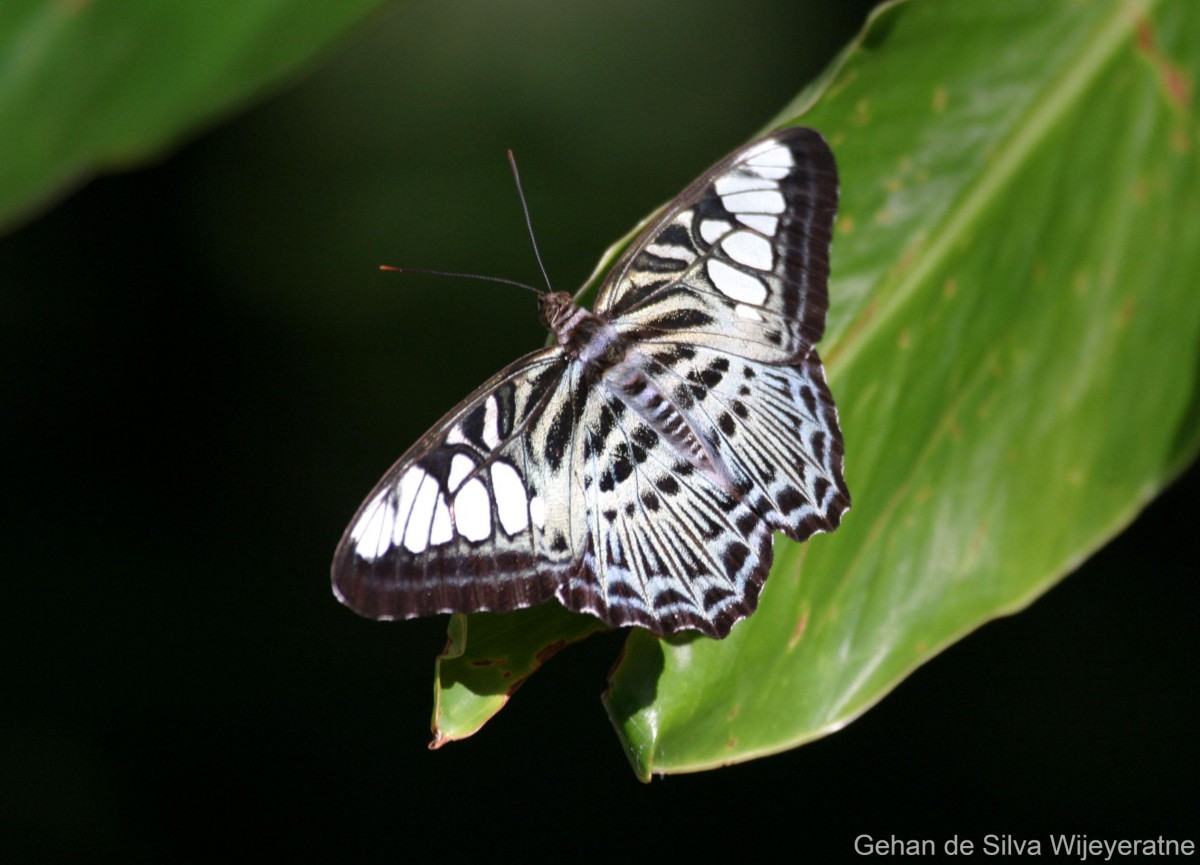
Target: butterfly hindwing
<point>652,516</point>
<point>774,426</point>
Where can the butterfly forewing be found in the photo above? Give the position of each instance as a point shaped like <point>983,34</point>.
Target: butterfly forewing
<point>475,516</point>
<point>740,260</point>
<point>636,470</point>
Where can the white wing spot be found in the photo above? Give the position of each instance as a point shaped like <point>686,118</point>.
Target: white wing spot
<point>456,437</point>
<point>537,511</point>
<point>420,518</point>
<point>730,183</point>
<point>766,172</point>
<point>473,511</point>
<point>767,225</point>
<point>712,230</point>
<point>770,153</point>
<point>443,529</point>
<point>460,467</point>
<point>763,201</point>
<point>750,249</point>
<point>670,250</point>
<point>511,505</point>
<point>736,285</point>
<point>407,489</point>
<point>491,422</point>
<point>372,534</point>
<point>747,312</point>
<point>410,482</point>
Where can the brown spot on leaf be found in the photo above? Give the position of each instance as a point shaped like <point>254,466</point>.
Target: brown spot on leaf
<point>547,652</point>
<point>1174,81</point>
<point>939,99</point>
<point>1141,191</point>
<point>798,631</point>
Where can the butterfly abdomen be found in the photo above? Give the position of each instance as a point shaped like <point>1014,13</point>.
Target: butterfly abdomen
<point>629,382</point>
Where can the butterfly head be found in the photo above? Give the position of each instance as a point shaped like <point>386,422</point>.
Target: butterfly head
<point>556,309</point>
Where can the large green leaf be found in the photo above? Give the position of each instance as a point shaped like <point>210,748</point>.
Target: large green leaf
<point>92,86</point>
<point>1013,343</point>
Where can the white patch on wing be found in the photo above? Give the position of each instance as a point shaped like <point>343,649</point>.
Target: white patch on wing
<point>750,249</point>
<point>672,251</point>
<point>410,484</point>
<point>736,285</point>
<point>763,201</point>
<point>372,534</point>
<point>511,505</point>
<point>443,529</point>
<point>770,153</point>
<point>460,466</point>
<point>731,183</point>
<point>537,511</point>
<point>456,437</point>
<point>712,230</point>
<point>747,312</point>
<point>766,172</point>
<point>767,225</point>
<point>473,511</point>
<point>491,422</point>
<point>420,518</point>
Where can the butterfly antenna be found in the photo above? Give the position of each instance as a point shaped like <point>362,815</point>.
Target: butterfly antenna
<point>512,161</point>
<point>477,276</point>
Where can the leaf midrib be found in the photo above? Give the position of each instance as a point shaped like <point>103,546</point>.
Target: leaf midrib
<point>1009,157</point>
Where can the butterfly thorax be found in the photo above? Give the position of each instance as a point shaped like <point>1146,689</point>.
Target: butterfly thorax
<point>582,334</point>
<point>594,342</point>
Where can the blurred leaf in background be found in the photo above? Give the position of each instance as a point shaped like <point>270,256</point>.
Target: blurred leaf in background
<point>87,87</point>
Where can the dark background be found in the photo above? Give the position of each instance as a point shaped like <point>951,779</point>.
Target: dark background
<point>204,374</point>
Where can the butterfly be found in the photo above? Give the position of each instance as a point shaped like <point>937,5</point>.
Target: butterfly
<point>637,468</point>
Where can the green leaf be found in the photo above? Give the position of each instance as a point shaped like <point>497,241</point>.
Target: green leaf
<point>473,678</point>
<point>95,86</point>
<point>1013,344</point>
